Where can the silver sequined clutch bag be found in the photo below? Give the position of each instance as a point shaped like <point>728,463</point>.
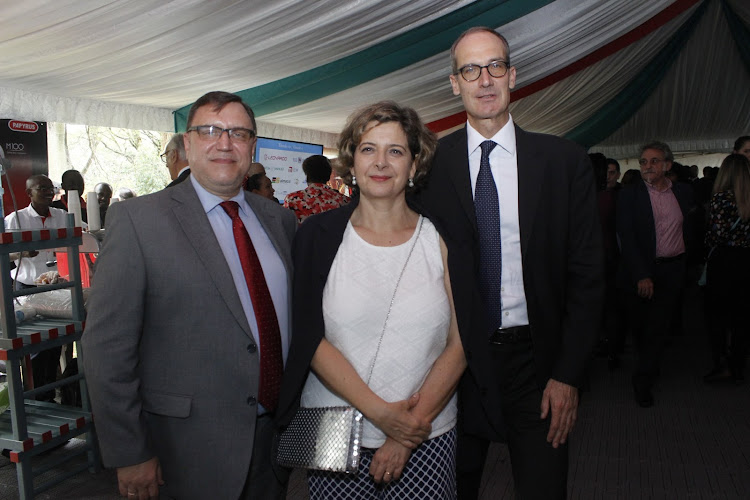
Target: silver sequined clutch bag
<point>327,438</point>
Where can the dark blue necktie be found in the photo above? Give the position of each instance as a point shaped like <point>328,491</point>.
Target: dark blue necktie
<point>487,207</point>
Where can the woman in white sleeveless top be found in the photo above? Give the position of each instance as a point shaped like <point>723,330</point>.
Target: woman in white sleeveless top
<point>348,262</point>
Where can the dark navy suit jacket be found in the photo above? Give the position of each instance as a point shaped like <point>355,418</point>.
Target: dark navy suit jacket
<point>562,259</point>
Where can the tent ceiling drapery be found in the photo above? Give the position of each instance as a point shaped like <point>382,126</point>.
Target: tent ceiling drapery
<point>584,66</point>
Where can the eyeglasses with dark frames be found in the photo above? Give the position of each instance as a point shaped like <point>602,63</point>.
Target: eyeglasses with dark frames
<point>653,161</point>
<point>164,155</point>
<point>472,72</point>
<point>214,133</point>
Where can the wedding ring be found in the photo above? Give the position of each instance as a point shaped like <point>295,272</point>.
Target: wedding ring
<point>387,473</point>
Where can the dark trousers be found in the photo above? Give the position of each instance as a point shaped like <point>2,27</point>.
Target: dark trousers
<point>653,319</point>
<point>727,303</point>
<point>266,480</point>
<point>539,470</point>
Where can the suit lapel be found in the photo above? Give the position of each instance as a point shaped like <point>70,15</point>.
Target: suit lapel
<point>457,166</point>
<point>194,223</point>
<point>530,180</point>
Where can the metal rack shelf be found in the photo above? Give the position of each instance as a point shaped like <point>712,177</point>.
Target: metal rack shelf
<point>29,427</point>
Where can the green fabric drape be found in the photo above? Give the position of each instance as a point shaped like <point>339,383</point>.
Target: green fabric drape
<point>379,60</point>
<point>620,108</point>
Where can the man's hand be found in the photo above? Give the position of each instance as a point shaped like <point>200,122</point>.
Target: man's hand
<point>389,461</point>
<point>561,400</point>
<point>397,422</point>
<point>646,288</point>
<point>140,481</point>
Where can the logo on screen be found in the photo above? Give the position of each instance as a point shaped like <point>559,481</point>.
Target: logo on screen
<point>20,126</point>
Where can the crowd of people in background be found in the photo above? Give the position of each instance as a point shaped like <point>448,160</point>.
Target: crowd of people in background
<point>665,229</point>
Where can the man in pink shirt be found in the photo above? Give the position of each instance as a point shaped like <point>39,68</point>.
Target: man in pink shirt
<point>652,224</point>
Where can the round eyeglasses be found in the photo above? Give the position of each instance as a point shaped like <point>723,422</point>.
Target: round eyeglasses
<point>214,133</point>
<point>496,69</point>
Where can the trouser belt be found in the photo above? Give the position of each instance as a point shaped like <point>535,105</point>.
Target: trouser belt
<point>511,335</point>
<point>664,260</point>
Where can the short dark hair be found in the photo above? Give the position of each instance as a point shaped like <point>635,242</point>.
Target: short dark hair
<point>218,100</point>
<point>253,182</point>
<point>599,163</point>
<point>476,29</point>
<point>71,179</point>
<point>741,142</point>
<point>421,140</point>
<point>34,180</point>
<point>614,162</point>
<point>317,168</point>
<point>659,146</point>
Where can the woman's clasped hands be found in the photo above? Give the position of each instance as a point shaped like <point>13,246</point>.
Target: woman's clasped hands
<point>405,431</point>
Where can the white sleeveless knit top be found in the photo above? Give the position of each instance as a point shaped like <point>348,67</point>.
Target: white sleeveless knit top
<point>355,303</point>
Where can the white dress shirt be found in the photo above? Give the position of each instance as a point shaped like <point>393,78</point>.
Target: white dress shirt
<point>504,166</point>
<point>28,219</point>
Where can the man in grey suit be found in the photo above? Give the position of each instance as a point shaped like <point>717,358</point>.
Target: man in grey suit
<point>180,360</point>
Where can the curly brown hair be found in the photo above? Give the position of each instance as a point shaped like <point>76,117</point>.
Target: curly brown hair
<point>422,141</point>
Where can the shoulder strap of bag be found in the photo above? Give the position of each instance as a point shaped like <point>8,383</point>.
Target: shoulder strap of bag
<point>393,298</point>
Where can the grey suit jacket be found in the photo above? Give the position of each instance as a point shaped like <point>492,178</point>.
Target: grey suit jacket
<point>169,357</point>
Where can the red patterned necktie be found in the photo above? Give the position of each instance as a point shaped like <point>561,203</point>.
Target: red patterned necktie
<point>271,364</point>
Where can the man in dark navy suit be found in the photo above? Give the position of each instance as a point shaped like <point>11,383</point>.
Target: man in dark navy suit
<point>525,255</point>
<point>176,159</point>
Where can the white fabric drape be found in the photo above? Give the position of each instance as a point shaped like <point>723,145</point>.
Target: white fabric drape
<point>703,104</point>
<point>166,54</point>
<point>128,63</point>
<point>541,43</point>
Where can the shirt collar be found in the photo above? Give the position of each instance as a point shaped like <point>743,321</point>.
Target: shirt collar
<point>211,201</point>
<point>652,188</point>
<point>37,214</point>
<point>505,137</point>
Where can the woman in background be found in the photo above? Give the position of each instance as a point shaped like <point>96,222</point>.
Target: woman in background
<point>347,265</point>
<point>728,268</point>
<point>742,146</point>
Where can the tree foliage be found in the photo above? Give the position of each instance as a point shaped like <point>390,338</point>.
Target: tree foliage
<point>117,156</point>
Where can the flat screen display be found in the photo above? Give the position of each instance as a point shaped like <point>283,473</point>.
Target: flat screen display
<point>283,163</point>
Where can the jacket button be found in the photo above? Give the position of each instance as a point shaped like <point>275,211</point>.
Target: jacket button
<point>251,348</point>
<point>251,401</point>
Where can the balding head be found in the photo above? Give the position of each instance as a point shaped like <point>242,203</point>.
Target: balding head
<point>256,168</point>
<point>174,155</point>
